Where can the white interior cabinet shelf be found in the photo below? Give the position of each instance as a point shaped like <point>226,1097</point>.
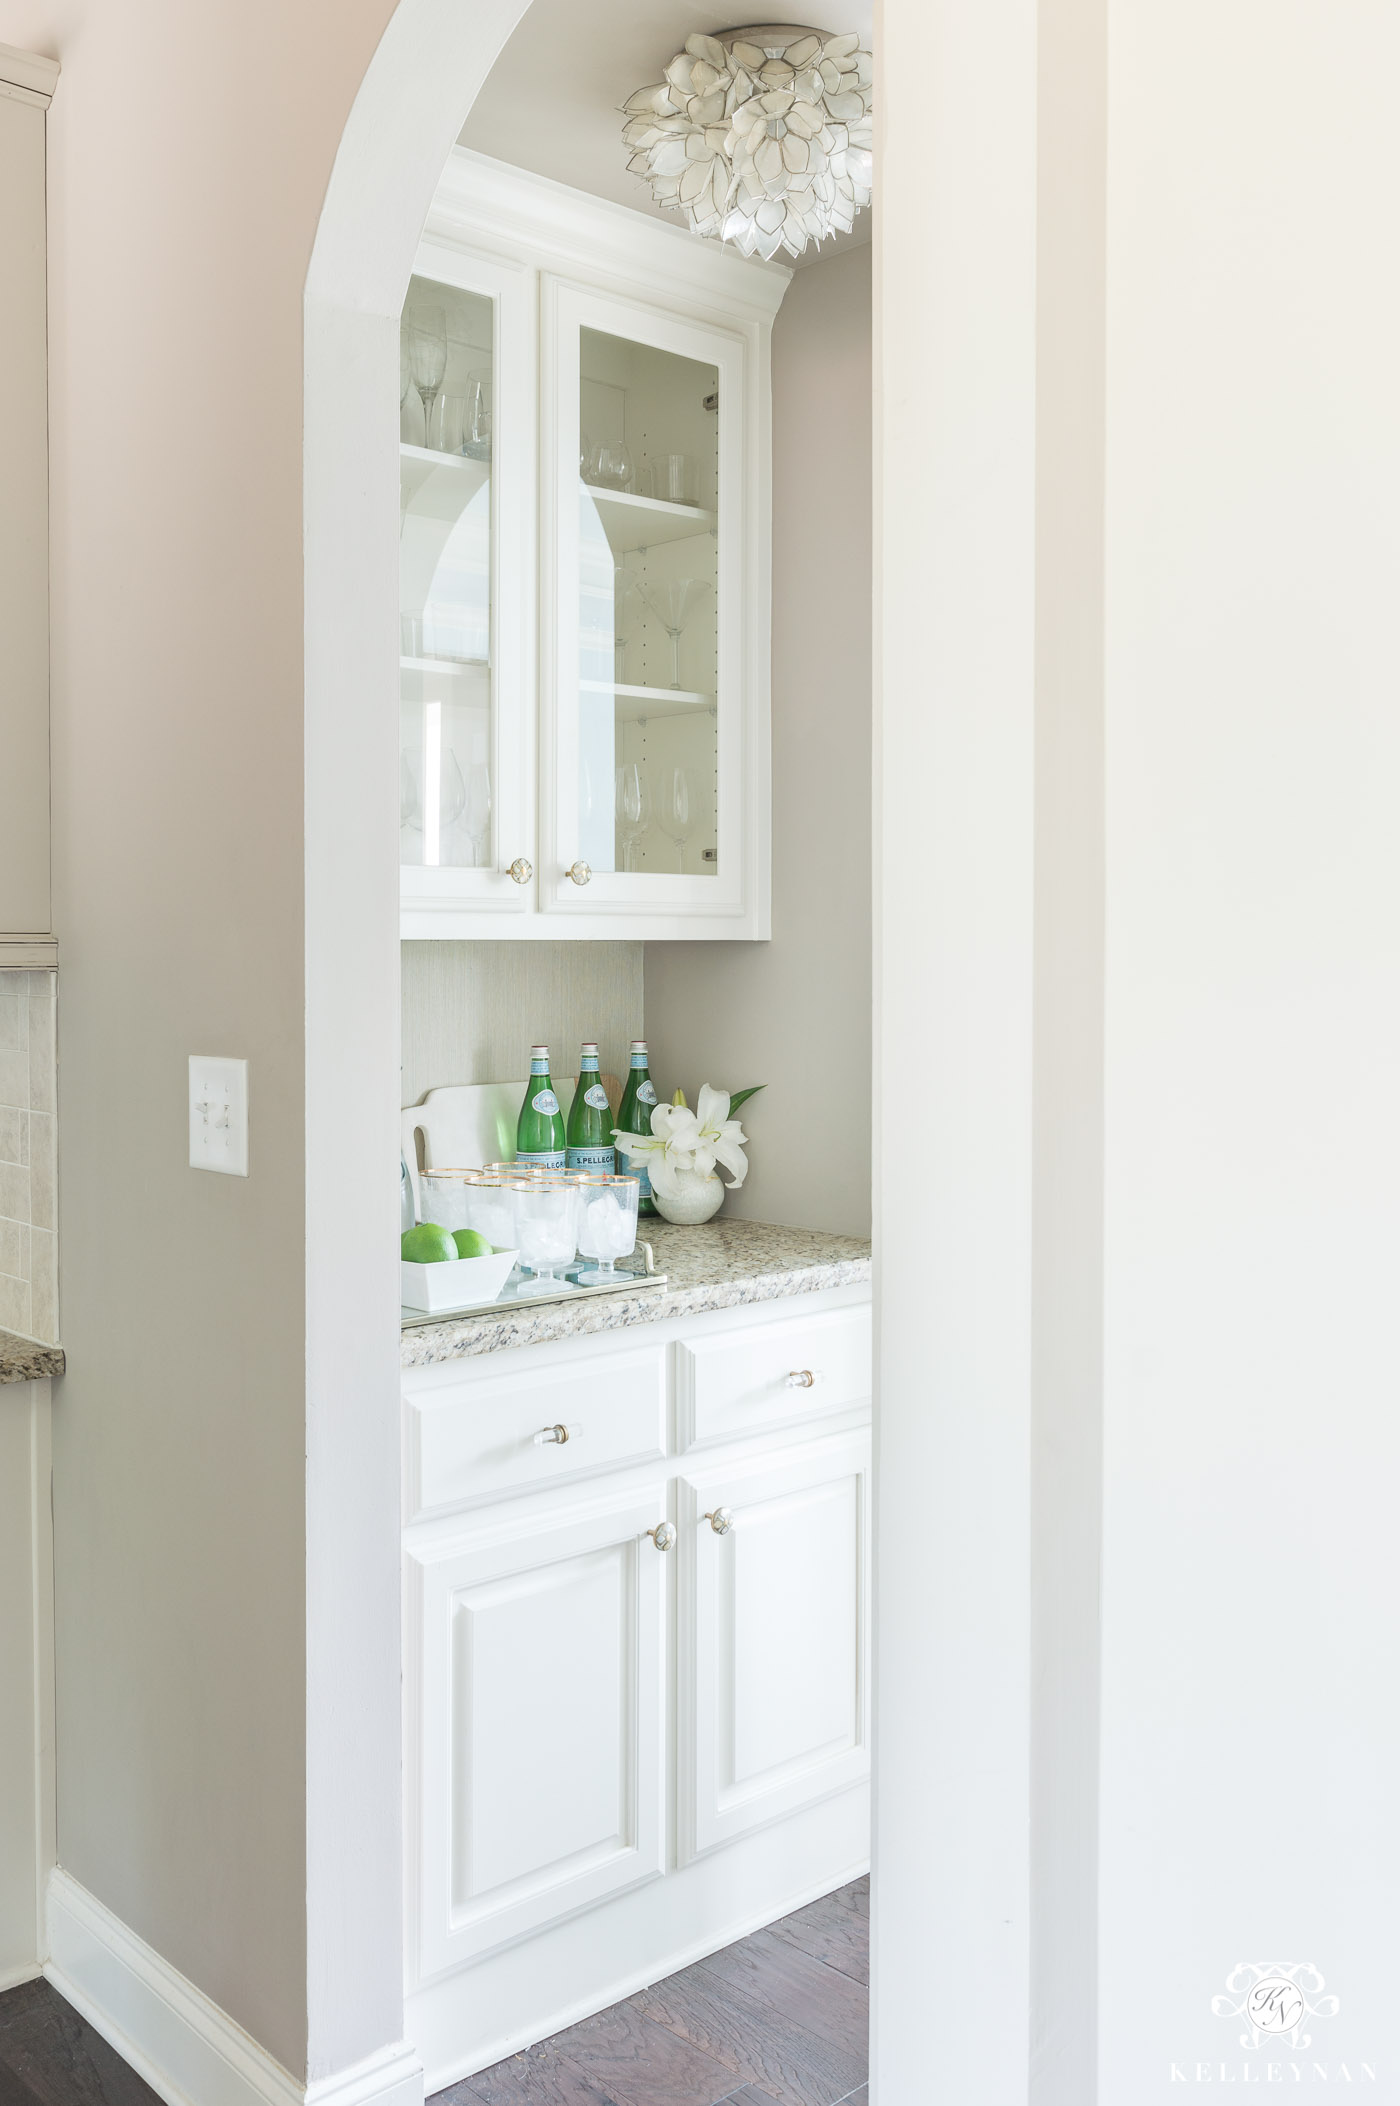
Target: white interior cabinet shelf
<point>585,668</point>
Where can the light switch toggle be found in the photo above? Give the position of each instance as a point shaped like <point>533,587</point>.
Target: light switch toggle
<point>218,1114</point>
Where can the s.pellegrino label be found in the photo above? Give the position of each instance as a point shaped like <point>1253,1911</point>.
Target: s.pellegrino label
<point>539,1131</point>
<point>634,1116</point>
<point>590,1145</point>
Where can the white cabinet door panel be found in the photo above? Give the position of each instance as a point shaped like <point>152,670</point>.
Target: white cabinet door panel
<point>538,1775</point>
<point>774,1623</point>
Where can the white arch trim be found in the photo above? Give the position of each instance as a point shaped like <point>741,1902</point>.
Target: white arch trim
<point>423,78</point>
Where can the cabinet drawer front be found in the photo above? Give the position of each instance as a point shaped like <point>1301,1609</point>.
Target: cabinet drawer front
<point>474,1440</point>
<point>755,1378</point>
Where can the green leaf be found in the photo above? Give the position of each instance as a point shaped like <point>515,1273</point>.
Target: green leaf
<point>742,1096</point>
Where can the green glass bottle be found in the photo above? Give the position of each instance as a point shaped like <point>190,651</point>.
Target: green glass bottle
<point>634,1116</point>
<point>539,1132</point>
<point>590,1143</point>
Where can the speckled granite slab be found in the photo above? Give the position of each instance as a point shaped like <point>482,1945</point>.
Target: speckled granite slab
<point>26,1360</point>
<point>723,1265</point>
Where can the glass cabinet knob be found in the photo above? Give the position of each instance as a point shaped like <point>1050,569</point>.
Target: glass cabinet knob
<point>663,1535</point>
<point>721,1520</point>
<point>522,871</point>
<point>580,872</point>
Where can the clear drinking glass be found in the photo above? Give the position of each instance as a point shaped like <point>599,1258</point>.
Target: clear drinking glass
<point>450,424</point>
<point>476,421</point>
<point>610,465</point>
<point>607,1227</point>
<point>633,809</point>
<point>546,1229</point>
<point>490,1209</point>
<point>674,477</point>
<point>676,809</point>
<point>673,601</point>
<point>427,357</point>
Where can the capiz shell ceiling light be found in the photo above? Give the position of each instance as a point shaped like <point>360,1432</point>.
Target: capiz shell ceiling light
<point>761,136</point>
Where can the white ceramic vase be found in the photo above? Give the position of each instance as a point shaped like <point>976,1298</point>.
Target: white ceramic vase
<point>699,1197</point>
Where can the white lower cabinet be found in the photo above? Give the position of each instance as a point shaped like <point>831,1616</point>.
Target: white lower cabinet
<point>637,1696</point>
<point>774,1637</point>
<point>548,1639</point>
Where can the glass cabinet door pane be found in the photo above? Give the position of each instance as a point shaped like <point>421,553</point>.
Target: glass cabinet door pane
<point>648,608</point>
<point>446,578</point>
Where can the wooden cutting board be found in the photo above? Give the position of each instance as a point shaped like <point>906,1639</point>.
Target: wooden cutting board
<point>466,1124</point>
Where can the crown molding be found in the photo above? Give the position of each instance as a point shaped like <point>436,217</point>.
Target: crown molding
<point>35,77</point>
<point>511,210</point>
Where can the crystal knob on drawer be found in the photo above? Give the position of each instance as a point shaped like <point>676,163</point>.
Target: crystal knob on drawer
<point>801,1378</point>
<point>721,1520</point>
<point>552,1433</point>
<point>663,1535</point>
<point>522,870</point>
<point>580,872</point>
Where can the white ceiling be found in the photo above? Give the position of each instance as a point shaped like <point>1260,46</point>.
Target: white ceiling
<point>552,101</point>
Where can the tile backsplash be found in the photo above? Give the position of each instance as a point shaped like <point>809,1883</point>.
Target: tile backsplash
<point>29,1153</point>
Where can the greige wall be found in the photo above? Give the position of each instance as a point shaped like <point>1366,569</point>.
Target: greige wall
<point>189,152</point>
<point>795,1012</point>
<point>471,1011</point>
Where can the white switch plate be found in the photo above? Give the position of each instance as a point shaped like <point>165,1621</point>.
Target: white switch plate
<point>218,1114</point>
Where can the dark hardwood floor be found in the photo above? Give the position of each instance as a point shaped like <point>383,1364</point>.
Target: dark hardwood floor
<point>781,2015</point>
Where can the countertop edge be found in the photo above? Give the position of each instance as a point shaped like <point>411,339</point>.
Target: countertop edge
<point>476,1337</point>
<point>28,1359</point>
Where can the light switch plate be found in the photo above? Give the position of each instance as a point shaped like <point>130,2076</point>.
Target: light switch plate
<point>218,1114</point>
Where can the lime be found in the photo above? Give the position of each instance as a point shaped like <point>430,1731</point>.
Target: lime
<point>471,1243</point>
<point>426,1245</point>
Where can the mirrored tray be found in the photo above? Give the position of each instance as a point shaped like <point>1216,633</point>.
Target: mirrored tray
<point>643,1278</point>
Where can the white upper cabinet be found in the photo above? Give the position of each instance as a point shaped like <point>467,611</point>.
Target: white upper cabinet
<point>584,575</point>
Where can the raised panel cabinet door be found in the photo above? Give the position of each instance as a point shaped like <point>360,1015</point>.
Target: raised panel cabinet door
<point>536,1724</point>
<point>774,1645</point>
<point>467,452</point>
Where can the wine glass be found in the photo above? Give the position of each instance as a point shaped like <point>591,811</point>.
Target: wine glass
<point>627,612</point>
<point>633,809</point>
<point>476,813</point>
<point>427,356</point>
<point>676,809</point>
<point>673,601</point>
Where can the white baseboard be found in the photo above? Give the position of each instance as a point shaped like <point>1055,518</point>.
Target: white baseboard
<point>11,1977</point>
<point>189,2051</point>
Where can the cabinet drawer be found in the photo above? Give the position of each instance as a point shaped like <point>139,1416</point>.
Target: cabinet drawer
<point>744,1381</point>
<point>473,1440</point>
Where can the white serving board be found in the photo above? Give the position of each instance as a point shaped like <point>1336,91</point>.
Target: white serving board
<point>466,1124</point>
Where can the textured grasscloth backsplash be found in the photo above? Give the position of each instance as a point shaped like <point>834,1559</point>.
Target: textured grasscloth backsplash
<point>471,1010</point>
<point>29,1153</point>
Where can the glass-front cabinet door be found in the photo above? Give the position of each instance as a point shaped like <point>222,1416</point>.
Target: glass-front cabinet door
<point>644,661</point>
<point>466,553</point>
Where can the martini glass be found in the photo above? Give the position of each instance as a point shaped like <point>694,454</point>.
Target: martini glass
<point>673,601</point>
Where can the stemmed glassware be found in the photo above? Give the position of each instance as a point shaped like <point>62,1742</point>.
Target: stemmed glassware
<point>627,612</point>
<point>633,809</point>
<point>427,357</point>
<point>676,810</point>
<point>673,601</point>
<point>476,811</point>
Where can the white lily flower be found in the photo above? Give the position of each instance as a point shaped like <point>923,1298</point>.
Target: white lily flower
<point>685,1140</point>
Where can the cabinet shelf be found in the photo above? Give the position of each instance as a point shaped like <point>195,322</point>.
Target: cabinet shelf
<point>645,522</point>
<point>439,484</point>
<point>455,668</point>
<point>636,702</point>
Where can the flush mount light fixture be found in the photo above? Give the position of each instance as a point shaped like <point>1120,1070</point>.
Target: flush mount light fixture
<point>761,136</point>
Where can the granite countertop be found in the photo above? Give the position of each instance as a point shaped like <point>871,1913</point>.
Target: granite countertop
<point>721,1265</point>
<point>27,1360</point>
